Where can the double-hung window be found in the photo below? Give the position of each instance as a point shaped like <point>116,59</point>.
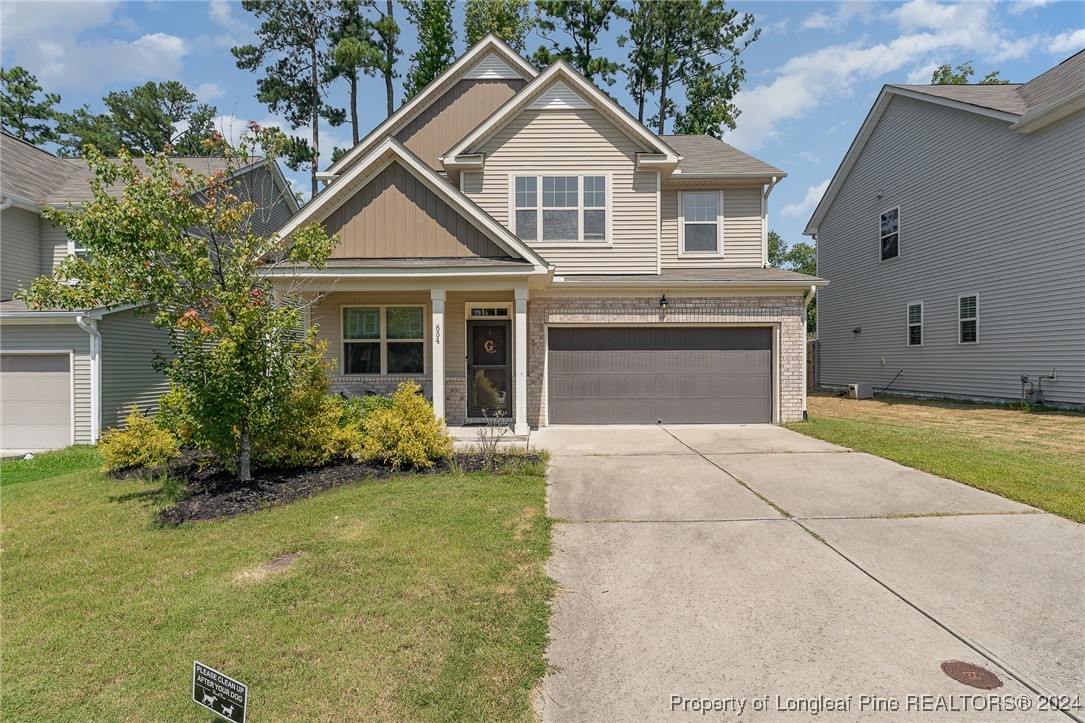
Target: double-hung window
<point>383,340</point>
<point>701,222</point>
<point>890,234</point>
<point>915,324</point>
<point>968,319</point>
<point>561,208</point>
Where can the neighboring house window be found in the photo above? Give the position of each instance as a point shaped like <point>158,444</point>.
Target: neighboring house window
<point>561,208</point>
<point>383,340</point>
<point>701,222</point>
<point>915,324</point>
<point>890,234</point>
<point>968,319</point>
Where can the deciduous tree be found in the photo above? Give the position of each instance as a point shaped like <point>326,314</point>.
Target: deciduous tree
<point>800,257</point>
<point>510,20</point>
<point>436,42</point>
<point>945,75</point>
<point>181,247</point>
<point>580,23</point>
<point>25,111</point>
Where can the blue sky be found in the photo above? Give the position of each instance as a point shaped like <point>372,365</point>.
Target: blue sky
<point>811,77</point>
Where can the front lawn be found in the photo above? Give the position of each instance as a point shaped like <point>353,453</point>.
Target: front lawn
<point>1032,456</point>
<point>421,597</point>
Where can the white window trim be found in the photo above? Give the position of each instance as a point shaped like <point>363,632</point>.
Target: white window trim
<point>580,243</point>
<point>682,253</point>
<point>909,324</point>
<point>880,235</point>
<point>975,318</point>
<point>382,340</point>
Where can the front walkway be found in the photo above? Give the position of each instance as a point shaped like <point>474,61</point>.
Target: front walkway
<point>764,570</point>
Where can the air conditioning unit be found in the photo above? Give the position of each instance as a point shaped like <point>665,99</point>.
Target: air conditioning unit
<point>860,391</point>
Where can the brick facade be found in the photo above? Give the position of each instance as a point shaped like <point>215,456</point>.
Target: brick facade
<point>785,311</point>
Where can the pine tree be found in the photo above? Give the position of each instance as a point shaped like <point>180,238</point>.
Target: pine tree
<point>385,43</point>
<point>22,112</point>
<point>509,20</point>
<point>436,42</point>
<point>583,22</point>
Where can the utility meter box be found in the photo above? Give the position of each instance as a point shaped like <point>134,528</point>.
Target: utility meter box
<point>860,391</point>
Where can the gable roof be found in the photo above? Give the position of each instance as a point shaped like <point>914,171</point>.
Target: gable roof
<point>1027,107</point>
<point>562,72</point>
<point>478,59</point>
<point>39,177</point>
<point>390,150</point>
<point>708,156</point>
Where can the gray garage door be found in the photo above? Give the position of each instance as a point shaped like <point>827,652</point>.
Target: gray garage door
<point>35,401</point>
<point>676,375</point>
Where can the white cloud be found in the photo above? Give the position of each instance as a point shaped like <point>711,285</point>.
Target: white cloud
<point>808,203</point>
<point>207,92</point>
<point>1022,6</point>
<point>819,20</point>
<point>22,20</point>
<point>810,157</point>
<point>1067,43</point>
<point>222,14</point>
<point>929,31</point>
<point>922,74</point>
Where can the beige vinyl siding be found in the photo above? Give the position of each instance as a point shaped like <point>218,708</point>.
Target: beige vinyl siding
<point>741,230</point>
<point>327,315</point>
<point>21,252</point>
<point>397,216</point>
<point>455,114</point>
<point>66,337</point>
<point>983,210</point>
<point>54,246</point>
<point>575,142</point>
<point>129,344</point>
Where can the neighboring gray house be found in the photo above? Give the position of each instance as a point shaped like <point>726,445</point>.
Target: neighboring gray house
<point>954,236</point>
<point>66,375</point>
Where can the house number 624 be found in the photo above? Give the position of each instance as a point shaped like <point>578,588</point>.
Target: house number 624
<point>437,334</point>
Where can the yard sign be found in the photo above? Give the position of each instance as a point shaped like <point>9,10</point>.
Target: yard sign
<point>219,693</point>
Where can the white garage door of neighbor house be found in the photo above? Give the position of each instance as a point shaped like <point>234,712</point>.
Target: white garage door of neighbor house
<point>35,401</point>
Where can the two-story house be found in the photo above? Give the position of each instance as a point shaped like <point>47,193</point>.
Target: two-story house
<point>66,375</point>
<point>521,246</point>
<point>954,235</point>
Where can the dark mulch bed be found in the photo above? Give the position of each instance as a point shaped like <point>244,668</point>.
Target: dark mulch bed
<point>213,493</point>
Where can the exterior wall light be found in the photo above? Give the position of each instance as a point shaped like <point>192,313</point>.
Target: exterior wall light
<point>663,302</point>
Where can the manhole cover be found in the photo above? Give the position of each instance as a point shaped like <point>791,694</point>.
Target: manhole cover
<point>972,675</point>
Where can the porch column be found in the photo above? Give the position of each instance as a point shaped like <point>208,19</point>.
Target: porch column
<point>519,333</point>
<point>437,347</point>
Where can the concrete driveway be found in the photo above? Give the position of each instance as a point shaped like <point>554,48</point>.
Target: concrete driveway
<point>762,574</point>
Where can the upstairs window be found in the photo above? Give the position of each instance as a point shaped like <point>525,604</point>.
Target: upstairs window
<point>915,324</point>
<point>383,340</point>
<point>561,208</point>
<point>968,319</point>
<point>701,222</point>
<point>890,234</point>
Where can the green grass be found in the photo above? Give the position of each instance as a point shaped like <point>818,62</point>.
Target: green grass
<point>421,598</point>
<point>48,464</point>
<point>1033,458</point>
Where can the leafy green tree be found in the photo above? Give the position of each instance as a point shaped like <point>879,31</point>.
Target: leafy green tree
<point>436,42</point>
<point>25,111</point>
<point>510,20</point>
<point>295,55</point>
<point>181,246</point>
<point>676,44</point>
<point>583,22</point>
<point>945,75</point>
<point>145,119</point>
<point>802,258</point>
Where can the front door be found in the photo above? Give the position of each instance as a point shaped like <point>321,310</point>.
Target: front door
<point>489,362</point>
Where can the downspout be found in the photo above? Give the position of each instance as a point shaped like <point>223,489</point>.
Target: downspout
<point>765,221</point>
<point>91,327</point>
<point>806,349</point>
<point>6,204</point>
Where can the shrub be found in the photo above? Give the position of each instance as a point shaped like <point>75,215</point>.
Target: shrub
<point>141,444</point>
<point>405,433</point>
<point>358,409</point>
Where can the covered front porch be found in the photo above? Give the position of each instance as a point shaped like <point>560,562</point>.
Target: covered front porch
<point>465,345</point>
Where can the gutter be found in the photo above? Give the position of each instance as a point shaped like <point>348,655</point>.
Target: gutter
<point>765,219</point>
<point>91,327</point>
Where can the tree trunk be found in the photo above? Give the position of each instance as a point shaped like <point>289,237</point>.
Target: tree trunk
<point>316,116</point>
<point>244,454</point>
<point>389,69</point>
<point>664,81</point>
<point>641,92</point>
<point>354,106</point>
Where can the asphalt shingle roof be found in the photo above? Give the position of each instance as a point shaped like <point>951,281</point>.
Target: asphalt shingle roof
<point>705,154</point>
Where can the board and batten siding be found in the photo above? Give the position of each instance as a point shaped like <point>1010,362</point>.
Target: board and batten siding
<point>397,216</point>
<point>129,344</point>
<point>583,142</point>
<point>61,338</point>
<point>455,114</point>
<point>21,252</point>
<point>742,225</point>
<point>983,210</point>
